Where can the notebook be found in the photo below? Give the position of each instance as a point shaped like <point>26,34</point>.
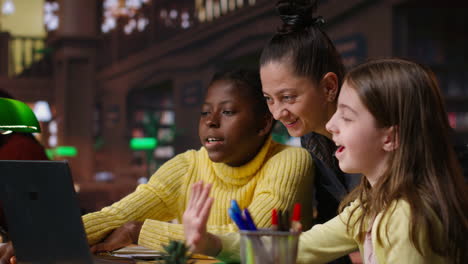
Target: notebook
<point>42,212</point>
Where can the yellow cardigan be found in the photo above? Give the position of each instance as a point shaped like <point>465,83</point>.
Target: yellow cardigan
<point>277,177</point>
<point>330,240</point>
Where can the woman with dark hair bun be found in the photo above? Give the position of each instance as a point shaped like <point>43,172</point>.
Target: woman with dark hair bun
<point>301,74</point>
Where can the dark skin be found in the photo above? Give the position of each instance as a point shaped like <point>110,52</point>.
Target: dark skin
<point>227,128</point>
<point>123,236</point>
<point>7,254</point>
<point>228,117</point>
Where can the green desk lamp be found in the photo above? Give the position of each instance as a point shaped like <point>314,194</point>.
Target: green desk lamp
<point>16,116</point>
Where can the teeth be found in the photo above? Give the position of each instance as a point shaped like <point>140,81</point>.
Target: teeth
<point>213,139</point>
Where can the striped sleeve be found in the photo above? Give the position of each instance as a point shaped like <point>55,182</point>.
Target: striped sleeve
<point>151,200</point>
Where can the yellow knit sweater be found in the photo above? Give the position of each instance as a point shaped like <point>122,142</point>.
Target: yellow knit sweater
<point>277,177</point>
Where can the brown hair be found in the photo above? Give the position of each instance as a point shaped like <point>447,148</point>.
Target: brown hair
<point>301,42</point>
<point>423,170</point>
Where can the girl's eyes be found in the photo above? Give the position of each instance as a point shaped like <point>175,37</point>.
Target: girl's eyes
<point>225,112</point>
<point>345,119</point>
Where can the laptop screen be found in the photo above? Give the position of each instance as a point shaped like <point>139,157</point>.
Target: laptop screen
<point>42,212</point>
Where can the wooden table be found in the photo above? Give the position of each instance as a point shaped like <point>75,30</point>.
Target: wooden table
<point>134,261</point>
<point>198,259</point>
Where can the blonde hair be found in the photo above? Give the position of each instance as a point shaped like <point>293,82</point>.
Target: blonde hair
<point>423,170</point>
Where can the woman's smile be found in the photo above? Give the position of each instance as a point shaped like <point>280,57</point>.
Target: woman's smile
<point>291,124</point>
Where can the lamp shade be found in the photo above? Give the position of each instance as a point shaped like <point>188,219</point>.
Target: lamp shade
<point>16,116</point>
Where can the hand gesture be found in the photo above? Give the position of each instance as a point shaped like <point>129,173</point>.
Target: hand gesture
<point>123,236</point>
<point>195,219</point>
<point>7,254</point>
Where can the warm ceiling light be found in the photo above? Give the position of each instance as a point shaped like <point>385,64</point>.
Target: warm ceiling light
<point>8,7</point>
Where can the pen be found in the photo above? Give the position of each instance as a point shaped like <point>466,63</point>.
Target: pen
<point>235,206</point>
<point>286,221</point>
<point>249,220</point>
<point>296,223</point>
<point>274,219</point>
<point>280,221</point>
<point>237,218</point>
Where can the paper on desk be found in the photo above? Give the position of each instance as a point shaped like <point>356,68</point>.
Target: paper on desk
<point>137,252</point>
<point>140,252</point>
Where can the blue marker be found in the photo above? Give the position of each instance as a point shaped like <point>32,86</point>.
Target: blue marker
<point>249,220</point>
<point>237,218</point>
<point>235,207</point>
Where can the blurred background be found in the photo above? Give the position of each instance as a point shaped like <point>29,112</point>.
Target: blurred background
<point>118,84</point>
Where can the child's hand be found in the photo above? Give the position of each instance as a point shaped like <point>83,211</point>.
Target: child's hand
<point>7,254</point>
<point>123,236</point>
<point>195,219</point>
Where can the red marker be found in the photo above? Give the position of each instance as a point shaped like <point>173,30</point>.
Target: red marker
<point>296,219</point>
<point>274,219</point>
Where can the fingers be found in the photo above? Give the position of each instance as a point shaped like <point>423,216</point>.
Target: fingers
<point>13,260</point>
<point>7,253</point>
<point>93,249</point>
<point>198,196</point>
<point>99,247</point>
<point>194,194</point>
<point>205,210</point>
<point>202,200</point>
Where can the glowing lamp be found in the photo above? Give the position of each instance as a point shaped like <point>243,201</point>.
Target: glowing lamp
<point>16,116</point>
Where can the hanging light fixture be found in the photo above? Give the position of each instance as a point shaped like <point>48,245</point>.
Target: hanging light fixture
<point>51,19</point>
<point>130,9</point>
<point>8,7</point>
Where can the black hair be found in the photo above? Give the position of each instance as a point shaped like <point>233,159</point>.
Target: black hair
<point>248,81</point>
<point>301,42</point>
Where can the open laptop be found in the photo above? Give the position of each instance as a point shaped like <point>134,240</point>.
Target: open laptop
<point>42,212</point>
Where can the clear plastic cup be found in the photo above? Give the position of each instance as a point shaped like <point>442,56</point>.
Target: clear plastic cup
<point>268,247</point>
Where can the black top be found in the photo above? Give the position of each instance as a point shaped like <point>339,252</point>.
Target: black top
<point>331,184</point>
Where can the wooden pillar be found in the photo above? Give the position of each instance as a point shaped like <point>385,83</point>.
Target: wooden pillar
<point>4,53</point>
<point>74,60</point>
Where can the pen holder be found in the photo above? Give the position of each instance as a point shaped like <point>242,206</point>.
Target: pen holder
<point>268,247</point>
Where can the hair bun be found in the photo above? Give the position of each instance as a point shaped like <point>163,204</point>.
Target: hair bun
<point>297,15</point>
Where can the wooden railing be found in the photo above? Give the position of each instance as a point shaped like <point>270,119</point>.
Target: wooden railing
<point>167,19</point>
<point>24,56</point>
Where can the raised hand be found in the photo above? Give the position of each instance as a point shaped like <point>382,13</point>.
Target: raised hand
<point>195,219</point>
<point>7,254</point>
<point>123,236</point>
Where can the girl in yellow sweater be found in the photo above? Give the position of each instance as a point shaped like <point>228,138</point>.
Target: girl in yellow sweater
<point>391,126</point>
<point>238,157</point>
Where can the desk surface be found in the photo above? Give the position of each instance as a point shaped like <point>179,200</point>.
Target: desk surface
<point>134,261</point>
<point>122,256</point>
